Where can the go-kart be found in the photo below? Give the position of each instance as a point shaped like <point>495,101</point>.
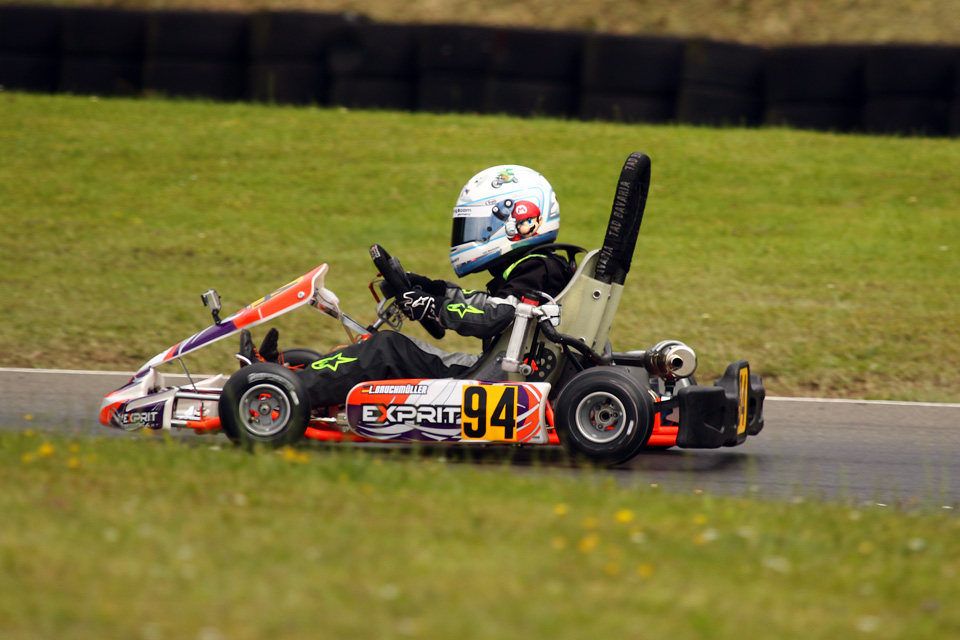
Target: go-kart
<point>551,378</point>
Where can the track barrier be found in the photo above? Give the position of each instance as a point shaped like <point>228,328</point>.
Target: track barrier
<point>304,58</point>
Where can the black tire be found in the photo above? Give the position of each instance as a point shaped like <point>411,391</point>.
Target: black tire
<point>955,118</point>
<point>226,81</point>
<point>604,416</point>
<point>114,33</point>
<point>373,93</point>
<point>196,35</point>
<point>264,404</point>
<point>644,66</point>
<point>455,49</point>
<point>293,36</point>
<point>297,82</point>
<point>621,107</point>
<point>101,76</point>
<point>445,92</point>
<point>31,29</point>
<point>723,65</point>
<point>537,55</point>
<point>299,358</point>
<point>722,84</point>
<point>383,51</point>
<point>820,74</point>
<point>912,71</point>
<point>709,105</point>
<point>530,98</point>
<point>915,115</point>
<point>29,72</point>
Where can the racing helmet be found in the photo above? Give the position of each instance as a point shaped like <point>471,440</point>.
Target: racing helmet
<point>500,210</point>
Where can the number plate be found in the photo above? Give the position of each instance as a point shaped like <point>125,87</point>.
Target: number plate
<point>489,412</point>
<point>743,399</point>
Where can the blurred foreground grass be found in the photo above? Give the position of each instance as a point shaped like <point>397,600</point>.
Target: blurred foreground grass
<point>139,537</point>
<point>830,262</point>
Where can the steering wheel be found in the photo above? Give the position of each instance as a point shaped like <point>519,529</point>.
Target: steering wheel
<point>397,282</point>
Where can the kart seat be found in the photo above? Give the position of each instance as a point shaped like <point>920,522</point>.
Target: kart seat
<point>589,301</point>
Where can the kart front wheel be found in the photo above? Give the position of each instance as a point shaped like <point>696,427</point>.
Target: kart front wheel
<point>264,403</point>
<point>604,416</point>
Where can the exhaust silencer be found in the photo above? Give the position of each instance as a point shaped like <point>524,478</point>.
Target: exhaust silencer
<point>670,359</point>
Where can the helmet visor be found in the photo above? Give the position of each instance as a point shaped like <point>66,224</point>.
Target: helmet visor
<point>474,229</point>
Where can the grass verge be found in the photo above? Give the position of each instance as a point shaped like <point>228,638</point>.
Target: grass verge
<point>830,262</point>
<point>147,538</point>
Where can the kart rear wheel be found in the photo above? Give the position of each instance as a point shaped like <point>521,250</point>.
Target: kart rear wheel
<point>266,404</point>
<point>604,416</point>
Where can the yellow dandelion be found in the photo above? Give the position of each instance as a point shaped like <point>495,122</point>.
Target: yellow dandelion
<point>624,516</point>
<point>589,542</point>
<point>590,522</point>
<point>46,450</point>
<point>700,519</point>
<point>559,543</point>
<point>561,509</point>
<point>645,570</point>
<point>73,462</point>
<point>698,491</point>
<point>26,458</point>
<point>292,455</point>
<point>654,485</point>
<point>28,417</point>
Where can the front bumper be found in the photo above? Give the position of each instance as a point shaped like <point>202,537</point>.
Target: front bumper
<point>722,415</point>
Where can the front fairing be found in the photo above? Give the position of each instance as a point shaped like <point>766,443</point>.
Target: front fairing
<point>307,289</point>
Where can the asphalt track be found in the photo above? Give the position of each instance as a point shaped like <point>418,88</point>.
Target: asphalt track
<point>881,453</point>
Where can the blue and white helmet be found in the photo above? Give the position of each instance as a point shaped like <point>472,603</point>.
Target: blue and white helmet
<point>500,210</point>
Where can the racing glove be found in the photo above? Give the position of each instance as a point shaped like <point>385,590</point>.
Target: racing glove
<point>418,304</point>
<point>436,288</point>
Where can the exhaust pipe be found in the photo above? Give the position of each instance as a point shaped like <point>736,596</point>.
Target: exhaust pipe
<point>670,359</point>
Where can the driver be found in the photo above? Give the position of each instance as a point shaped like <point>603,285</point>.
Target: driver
<point>481,241</point>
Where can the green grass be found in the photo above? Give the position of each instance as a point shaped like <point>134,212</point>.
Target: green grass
<point>139,537</point>
<point>830,262</point>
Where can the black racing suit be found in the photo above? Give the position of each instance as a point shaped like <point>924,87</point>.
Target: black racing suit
<point>388,355</point>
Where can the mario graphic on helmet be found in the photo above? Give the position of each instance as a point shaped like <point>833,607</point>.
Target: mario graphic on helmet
<point>524,221</point>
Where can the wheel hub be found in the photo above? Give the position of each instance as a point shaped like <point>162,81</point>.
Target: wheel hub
<point>264,410</point>
<point>601,417</point>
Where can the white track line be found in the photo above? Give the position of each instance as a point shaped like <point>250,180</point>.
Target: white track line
<point>894,403</point>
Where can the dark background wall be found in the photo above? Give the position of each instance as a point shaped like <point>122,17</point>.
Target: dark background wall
<point>290,57</point>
